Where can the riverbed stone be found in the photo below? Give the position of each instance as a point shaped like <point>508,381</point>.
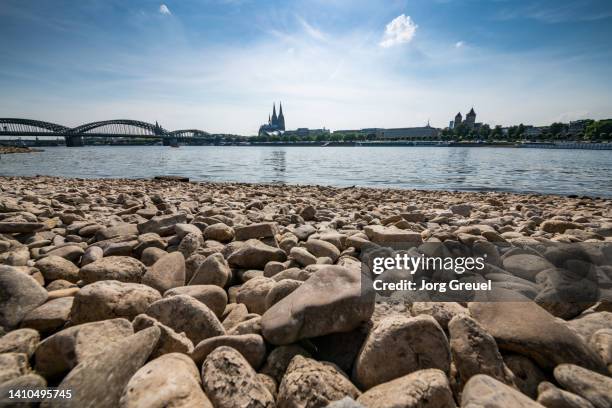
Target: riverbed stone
<point>55,267</point>
<point>49,317</point>
<point>229,381</point>
<point>151,386</point>
<point>594,387</point>
<point>213,271</point>
<point>253,294</point>
<point>311,383</point>
<point>219,232</point>
<point>20,341</point>
<point>420,389</point>
<point>552,397</point>
<point>167,273</point>
<point>109,299</point>
<point>330,301</point>
<point>399,345</point>
<point>19,294</point>
<point>484,391</point>
<point>212,296</point>
<point>117,268</point>
<point>169,340</point>
<point>184,313</point>
<point>254,254</point>
<point>251,346</point>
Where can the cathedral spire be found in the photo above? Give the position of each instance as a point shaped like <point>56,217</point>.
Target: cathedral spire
<point>274,117</point>
<point>281,117</point>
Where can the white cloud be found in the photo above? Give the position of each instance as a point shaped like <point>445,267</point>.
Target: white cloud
<point>400,30</point>
<point>310,30</point>
<point>459,44</point>
<point>163,9</point>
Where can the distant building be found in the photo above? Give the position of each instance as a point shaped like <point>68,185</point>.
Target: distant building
<point>470,120</point>
<point>275,125</point>
<point>412,133</point>
<point>577,127</point>
<point>305,132</point>
<point>451,124</point>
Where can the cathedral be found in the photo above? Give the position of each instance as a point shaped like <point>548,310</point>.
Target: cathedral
<point>470,119</point>
<point>276,124</point>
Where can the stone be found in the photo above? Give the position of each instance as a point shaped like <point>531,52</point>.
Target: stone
<point>110,299</point>
<point>278,360</point>
<point>346,402</point>
<point>258,230</point>
<point>527,375</point>
<point>55,267</point>
<point>19,294</point>
<point>250,346</point>
<point>588,323</point>
<point>420,389</point>
<point>113,367</point>
<point>118,230</point>
<point>330,301</point>
<point>484,391</point>
<point>13,365</point>
<point>151,255</point>
<point>20,227</point>
<point>153,387</point>
<point>311,383</point>
<point>253,294</point>
<point>553,397</point>
<point>20,341</point>
<point>59,353</point>
<point>400,345</point>
<point>182,230</point>
<point>302,256</point>
<point>167,273</point>
<point>230,381</point>
<point>526,266</point>
<point>162,225</point>
<point>281,290</point>
<point>461,209</point>
<point>184,313</point>
<point>219,232</point>
<point>190,244</point>
<point>50,316</point>
<point>70,252</point>
<point>559,226</point>
<point>249,326</point>
<point>524,327</point>
<point>117,268</point>
<point>601,342</point>
<point>254,254</point>
<point>213,271</point>
<point>320,248</point>
<point>474,351</point>
<point>308,213</point>
<point>443,312</point>
<point>24,382</point>
<point>593,387</point>
<point>169,340</point>
<point>92,254</point>
<point>393,236</point>
<point>212,296</point>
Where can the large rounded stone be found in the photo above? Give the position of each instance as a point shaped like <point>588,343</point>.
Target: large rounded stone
<point>109,299</point>
<point>167,273</point>
<point>230,381</point>
<point>251,346</point>
<point>55,267</point>
<point>309,383</point>
<point>119,268</point>
<point>474,351</point>
<point>484,391</point>
<point>19,294</point>
<point>184,313</point>
<point>254,254</point>
<point>213,271</point>
<point>253,294</point>
<point>526,266</point>
<point>113,367</point>
<point>154,387</point>
<point>399,345</point>
<point>278,360</point>
<point>62,351</point>
<point>169,340</point>
<point>553,397</point>
<point>50,316</point>
<point>594,387</point>
<point>219,232</point>
<point>281,290</point>
<point>330,301</point>
<point>212,296</point>
<point>20,341</point>
<point>421,389</point>
<point>524,327</point>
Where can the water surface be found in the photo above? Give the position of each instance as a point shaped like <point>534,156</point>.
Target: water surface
<point>547,171</point>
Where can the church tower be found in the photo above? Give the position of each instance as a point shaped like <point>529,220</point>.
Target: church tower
<point>470,118</point>
<point>274,117</point>
<point>458,119</point>
<point>281,117</point>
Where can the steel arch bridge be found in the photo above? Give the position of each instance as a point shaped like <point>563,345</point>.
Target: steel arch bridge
<point>125,128</point>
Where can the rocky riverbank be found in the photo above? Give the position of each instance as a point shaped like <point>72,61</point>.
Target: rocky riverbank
<point>137,293</point>
<point>17,149</point>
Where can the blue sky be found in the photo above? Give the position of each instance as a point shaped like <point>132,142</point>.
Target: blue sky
<point>218,65</point>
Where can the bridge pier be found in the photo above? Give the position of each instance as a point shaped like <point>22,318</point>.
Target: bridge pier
<point>75,141</point>
<point>169,141</point>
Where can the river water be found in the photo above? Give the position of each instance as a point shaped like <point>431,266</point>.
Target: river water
<point>546,171</point>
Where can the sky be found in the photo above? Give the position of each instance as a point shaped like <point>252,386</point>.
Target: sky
<point>218,65</point>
